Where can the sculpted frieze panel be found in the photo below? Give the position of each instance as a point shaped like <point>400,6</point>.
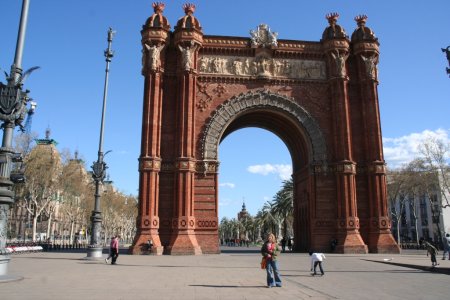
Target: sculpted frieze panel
<point>262,66</point>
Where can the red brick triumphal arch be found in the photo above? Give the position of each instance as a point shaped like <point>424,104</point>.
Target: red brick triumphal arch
<point>320,98</point>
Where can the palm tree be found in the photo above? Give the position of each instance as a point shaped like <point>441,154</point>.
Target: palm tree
<point>283,206</point>
<point>266,219</point>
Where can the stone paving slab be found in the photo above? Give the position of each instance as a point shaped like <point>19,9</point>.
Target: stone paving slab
<point>231,275</point>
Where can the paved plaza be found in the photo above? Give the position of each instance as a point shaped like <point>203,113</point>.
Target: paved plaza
<point>234,274</point>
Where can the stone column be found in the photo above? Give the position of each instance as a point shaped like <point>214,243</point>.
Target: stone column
<point>153,43</point>
<point>187,40</point>
<point>380,237</point>
<point>183,223</point>
<point>349,238</point>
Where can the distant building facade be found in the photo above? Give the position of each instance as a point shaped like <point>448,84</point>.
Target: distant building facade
<point>423,217</point>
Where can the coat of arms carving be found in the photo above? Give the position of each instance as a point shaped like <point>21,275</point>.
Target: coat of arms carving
<point>263,36</point>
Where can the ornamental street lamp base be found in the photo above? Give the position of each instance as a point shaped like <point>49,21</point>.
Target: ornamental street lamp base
<point>4,277</point>
<point>94,253</point>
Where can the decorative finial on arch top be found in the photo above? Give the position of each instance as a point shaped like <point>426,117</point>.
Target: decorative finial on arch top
<point>361,20</point>
<point>157,20</point>
<point>47,133</point>
<point>332,17</point>
<point>158,7</point>
<point>189,8</point>
<point>334,30</point>
<point>363,33</point>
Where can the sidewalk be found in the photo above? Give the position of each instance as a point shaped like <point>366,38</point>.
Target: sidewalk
<point>235,274</point>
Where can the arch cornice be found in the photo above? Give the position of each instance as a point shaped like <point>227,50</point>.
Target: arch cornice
<point>244,102</point>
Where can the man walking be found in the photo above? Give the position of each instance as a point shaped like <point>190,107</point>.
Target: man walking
<point>433,252</point>
<point>114,246</point>
<point>446,246</point>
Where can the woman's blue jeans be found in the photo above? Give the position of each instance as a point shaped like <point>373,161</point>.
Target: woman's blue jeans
<point>273,274</point>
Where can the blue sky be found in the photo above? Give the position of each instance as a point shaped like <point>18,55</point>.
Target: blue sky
<point>67,38</point>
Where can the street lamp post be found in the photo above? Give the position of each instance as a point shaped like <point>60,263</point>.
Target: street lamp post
<point>99,167</point>
<point>447,52</point>
<point>13,101</point>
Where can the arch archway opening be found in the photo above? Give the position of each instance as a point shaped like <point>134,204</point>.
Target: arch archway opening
<point>254,166</point>
<point>264,141</point>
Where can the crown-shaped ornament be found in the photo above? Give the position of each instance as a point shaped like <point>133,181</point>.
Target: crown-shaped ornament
<point>158,7</point>
<point>189,8</point>
<point>332,17</point>
<point>361,20</point>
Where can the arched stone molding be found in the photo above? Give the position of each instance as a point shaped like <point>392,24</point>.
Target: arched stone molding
<point>237,105</point>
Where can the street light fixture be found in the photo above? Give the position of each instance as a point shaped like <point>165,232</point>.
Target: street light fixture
<point>95,248</point>
<point>447,52</point>
<point>13,102</point>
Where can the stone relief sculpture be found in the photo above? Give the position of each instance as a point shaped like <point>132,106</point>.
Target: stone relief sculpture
<point>263,37</point>
<point>154,52</point>
<point>186,55</point>
<point>262,66</point>
<point>371,66</point>
<point>339,59</point>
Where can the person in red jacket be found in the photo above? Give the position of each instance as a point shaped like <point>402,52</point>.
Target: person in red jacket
<point>114,247</point>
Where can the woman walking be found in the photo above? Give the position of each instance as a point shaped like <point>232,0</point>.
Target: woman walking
<point>270,252</point>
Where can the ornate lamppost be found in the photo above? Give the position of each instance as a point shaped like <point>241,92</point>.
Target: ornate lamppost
<point>99,167</point>
<point>13,101</point>
<point>447,52</point>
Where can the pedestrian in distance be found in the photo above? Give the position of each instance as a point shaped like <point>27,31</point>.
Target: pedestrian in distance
<point>110,254</point>
<point>316,260</point>
<point>114,246</point>
<point>283,244</point>
<point>270,252</point>
<point>150,245</point>
<point>446,246</point>
<point>432,251</point>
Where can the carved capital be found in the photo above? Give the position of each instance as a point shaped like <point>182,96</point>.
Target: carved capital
<point>150,164</point>
<point>149,222</point>
<point>183,223</point>
<point>345,167</point>
<point>377,168</point>
<point>380,223</point>
<point>185,164</point>
<point>207,223</point>
<point>207,167</point>
<point>348,223</point>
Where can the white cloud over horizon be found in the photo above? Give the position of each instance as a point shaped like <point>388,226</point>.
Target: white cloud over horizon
<point>284,172</point>
<point>401,150</point>
<point>228,184</point>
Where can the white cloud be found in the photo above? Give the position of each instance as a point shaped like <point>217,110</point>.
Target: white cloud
<point>283,171</point>
<point>398,151</point>
<point>227,184</point>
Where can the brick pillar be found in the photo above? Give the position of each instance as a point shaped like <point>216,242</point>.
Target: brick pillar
<point>349,238</point>
<point>187,41</point>
<point>380,237</point>
<point>153,41</point>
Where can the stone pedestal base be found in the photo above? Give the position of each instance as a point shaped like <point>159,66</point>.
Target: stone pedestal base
<point>184,244</point>
<point>94,253</point>
<point>351,243</point>
<point>383,242</point>
<point>140,245</point>
<point>4,277</point>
